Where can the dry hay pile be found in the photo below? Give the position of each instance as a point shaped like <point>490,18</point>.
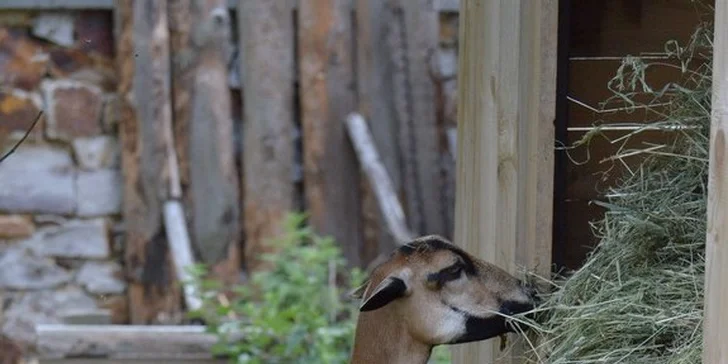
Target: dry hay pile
<point>639,296</point>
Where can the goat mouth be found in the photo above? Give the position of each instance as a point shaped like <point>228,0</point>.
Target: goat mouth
<point>484,328</point>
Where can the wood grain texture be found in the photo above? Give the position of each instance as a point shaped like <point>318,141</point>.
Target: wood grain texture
<point>267,68</point>
<point>204,131</point>
<point>374,94</point>
<point>138,342</point>
<point>417,24</point>
<point>144,125</point>
<point>504,178</point>
<point>715,330</point>
<point>326,69</point>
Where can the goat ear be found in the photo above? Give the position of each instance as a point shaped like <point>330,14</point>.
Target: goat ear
<point>387,291</point>
<point>358,293</point>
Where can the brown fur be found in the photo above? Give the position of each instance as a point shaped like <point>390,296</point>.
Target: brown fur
<point>10,352</point>
<point>428,293</point>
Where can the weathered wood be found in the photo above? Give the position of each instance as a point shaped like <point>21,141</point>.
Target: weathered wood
<point>417,25</point>
<point>326,69</point>
<point>267,67</point>
<point>506,101</point>
<point>374,95</point>
<point>106,342</point>
<point>200,32</point>
<point>715,330</point>
<point>378,177</point>
<point>144,124</point>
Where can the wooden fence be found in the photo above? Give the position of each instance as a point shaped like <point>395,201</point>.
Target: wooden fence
<point>302,70</point>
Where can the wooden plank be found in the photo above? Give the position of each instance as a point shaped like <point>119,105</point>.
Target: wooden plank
<point>200,33</point>
<point>418,23</point>
<point>715,330</point>
<point>326,69</point>
<point>504,178</point>
<point>267,67</point>
<point>119,342</point>
<point>374,94</point>
<point>145,122</point>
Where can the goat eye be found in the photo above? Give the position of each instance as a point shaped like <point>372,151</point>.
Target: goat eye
<point>455,272</point>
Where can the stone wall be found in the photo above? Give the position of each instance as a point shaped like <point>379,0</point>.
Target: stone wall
<point>60,192</point>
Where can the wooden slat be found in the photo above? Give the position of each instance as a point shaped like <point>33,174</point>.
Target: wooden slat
<point>267,67</point>
<point>374,95</point>
<point>145,125</point>
<point>715,331</point>
<point>326,69</point>
<point>418,133</point>
<point>505,142</point>
<point>138,342</point>
<point>200,32</point>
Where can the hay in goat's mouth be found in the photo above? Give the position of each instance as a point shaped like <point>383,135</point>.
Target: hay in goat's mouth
<point>639,296</point>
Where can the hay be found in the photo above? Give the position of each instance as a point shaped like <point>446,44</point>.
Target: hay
<point>639,296</point>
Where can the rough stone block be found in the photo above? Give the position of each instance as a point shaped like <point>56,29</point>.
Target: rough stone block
<point>38,179</point>
<point>84,239</point>
<point>43,307</point>
<point>95,31</point>
<point>22,270</point>
<point>74,63</point>
<point>16,227</point>
<point>23,60</point>
<point>101,278</point>
<point>110,117</point>
<point>447,62</point>
<point>99,192</point>
<point>56,27</point>
<point>74,109</point>
<point>18,110</point>
<point>97,152</point>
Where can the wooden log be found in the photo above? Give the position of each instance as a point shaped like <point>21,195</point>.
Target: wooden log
<point>417,24</point>
<point>715,321</point>
<point>137,342</point>
<point>144,124</point>
<point>378,178</point>
<point>504,178</point>
<point>267,67</point>
<point>204,131</point>
<point>331,178</point>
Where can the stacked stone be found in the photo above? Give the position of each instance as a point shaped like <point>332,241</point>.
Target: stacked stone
<point>60,192</point>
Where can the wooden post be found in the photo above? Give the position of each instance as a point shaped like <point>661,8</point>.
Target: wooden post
<point>204,130</point>
<point>416,24</point>
<point>326,68</point>
<point>145,133</point>
<point>374,95</point>
<point>715,319</point>
<point>505,141</point>
<point>267,70</point>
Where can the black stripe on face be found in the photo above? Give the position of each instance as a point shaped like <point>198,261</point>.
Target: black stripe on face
<point>447,274</point>
<point>433,244</point>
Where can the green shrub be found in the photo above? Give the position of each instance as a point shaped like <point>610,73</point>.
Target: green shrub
<point>296,312</point>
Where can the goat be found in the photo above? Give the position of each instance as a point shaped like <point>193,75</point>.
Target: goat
<point>430,292</point>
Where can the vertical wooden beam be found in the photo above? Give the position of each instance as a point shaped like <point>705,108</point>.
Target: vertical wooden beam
<point>374,95</point>
<point>145,124</point>
<point>715,319</point>
<point>204,130</point>
<point>505,142</point>
<point>267,70</point>
<point>331,177</point>
<point>418,135</point>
